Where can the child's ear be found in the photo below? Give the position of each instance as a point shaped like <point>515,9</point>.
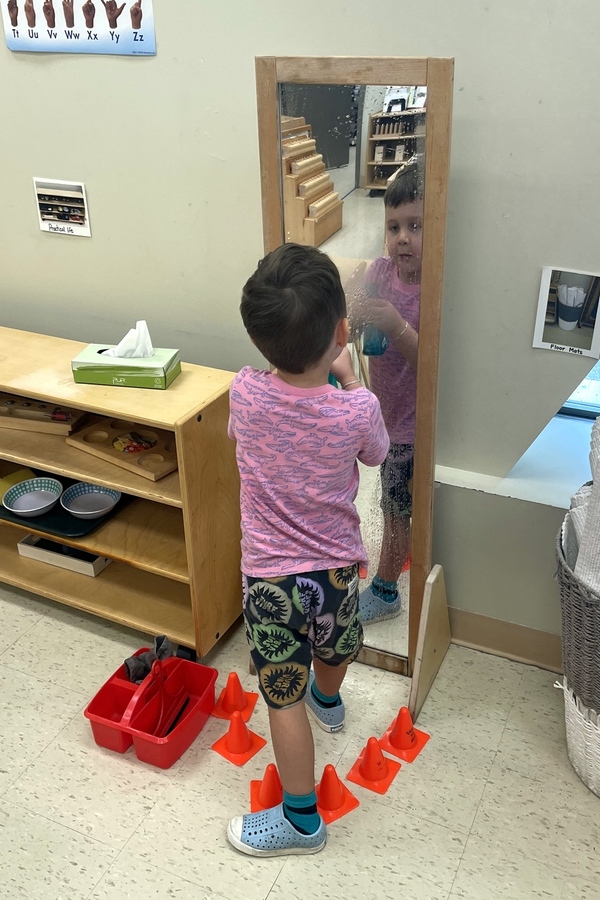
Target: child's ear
<point>342,333</point>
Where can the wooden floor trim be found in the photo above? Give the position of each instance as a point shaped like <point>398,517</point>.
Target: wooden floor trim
<point>500,638</point>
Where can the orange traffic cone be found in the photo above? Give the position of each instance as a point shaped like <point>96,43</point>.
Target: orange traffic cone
<point>334,799</point>
<point>402,739</point>
<point>238,744</point>
<point>268,792</point>
<point>372,769</point>
<point>233,697</point>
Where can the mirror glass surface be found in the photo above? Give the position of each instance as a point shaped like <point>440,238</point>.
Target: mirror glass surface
<point>341,147</point>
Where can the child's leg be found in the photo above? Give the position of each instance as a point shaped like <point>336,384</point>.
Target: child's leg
<point>294,748</point>
<point>277,627</point>
<point>294,826</point>
<point>381,600</point>
<point>329,678</point>
<point>395,547</point>
<point>292,735</point>
<point>289,620</point>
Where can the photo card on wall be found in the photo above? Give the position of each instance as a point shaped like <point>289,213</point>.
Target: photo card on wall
<point>62,207</point>
<point>566,313</point>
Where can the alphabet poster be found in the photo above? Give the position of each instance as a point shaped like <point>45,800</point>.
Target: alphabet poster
<point>70,26</point>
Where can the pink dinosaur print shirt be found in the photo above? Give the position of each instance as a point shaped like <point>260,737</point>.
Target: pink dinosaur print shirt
<point>297,451</point>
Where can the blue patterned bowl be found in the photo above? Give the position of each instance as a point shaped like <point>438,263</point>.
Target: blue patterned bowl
<point>89,501</point>
<point>33,497</point>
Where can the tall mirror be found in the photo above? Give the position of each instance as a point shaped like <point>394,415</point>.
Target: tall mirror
<point>354,160</point>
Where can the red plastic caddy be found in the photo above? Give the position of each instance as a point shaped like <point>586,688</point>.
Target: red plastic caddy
<point>161,716</point>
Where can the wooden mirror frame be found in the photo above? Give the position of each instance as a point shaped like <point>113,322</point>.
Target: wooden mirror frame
<point>437,75</point>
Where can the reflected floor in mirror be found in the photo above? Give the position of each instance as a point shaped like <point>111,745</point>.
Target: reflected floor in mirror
<point>362,235</point>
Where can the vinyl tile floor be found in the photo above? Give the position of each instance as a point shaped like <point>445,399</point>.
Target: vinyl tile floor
<point>490,809</point>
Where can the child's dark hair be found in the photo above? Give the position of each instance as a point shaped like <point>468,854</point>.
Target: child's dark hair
<point>292,305</point>
<point>406,187</point>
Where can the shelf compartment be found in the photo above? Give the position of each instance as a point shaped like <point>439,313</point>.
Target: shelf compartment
<point>120,593</point>
<point>389,138</point>
<point>51,453</point>
<point>143,535</point>
<point>401,114</point>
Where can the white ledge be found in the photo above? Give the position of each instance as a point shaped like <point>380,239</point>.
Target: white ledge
<point>549,472</point>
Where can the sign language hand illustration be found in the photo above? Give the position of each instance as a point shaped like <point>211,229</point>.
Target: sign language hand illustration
<point>13,11</point>
<point>136,15</point>
<point>112,11</point>
<point>89,11</point>
<point>69,14</point>
<point>50,15</point>
<point>30,13</point>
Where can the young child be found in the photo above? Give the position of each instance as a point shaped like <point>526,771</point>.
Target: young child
<point>389,300</point>
<point>298,441</point>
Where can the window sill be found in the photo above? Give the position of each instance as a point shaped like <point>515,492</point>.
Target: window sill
<point>549,472</point>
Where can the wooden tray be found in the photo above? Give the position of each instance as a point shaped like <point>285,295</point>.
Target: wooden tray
<point>24,414</point>
<point>153,461</point>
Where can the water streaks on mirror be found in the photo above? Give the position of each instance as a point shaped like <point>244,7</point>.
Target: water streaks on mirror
<point>343,148</point>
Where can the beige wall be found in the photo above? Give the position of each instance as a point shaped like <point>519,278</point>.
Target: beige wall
<point>167,148</point>
<point>498,556</point>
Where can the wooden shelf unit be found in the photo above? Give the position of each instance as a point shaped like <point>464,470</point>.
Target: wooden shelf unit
<point>395,137</point>
<point>176,547</point>
<point>310,215</point>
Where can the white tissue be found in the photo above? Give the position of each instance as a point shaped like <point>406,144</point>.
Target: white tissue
<point>136,343</point>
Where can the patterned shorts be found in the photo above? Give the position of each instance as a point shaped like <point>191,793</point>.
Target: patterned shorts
<point>397,479</point>
<point>293,618</point>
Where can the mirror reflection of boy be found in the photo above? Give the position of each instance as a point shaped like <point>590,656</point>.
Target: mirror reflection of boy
<point>388,301</point>
<point>298,439</point>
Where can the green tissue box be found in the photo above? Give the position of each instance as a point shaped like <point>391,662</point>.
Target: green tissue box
<point>92,366</point>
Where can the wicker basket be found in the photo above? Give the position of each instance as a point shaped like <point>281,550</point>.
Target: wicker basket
<point>583,739</point>
<point>580,624</point>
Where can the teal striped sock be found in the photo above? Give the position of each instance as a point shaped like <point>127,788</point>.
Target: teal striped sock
<point>385,590</point>
<point>301,811</point>
<point>323,700</point>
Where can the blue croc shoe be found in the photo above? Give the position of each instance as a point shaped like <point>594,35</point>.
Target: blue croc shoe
<point>330,718</point>
<point>268,833</point>
<point>372,609</point>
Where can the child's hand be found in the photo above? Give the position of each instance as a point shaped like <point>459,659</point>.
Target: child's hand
<point>384,316</point>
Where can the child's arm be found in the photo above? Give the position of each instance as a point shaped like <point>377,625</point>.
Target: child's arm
<point>343,371</point>
<point>377,442</point>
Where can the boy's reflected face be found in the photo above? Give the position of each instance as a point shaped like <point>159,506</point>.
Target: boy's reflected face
<point>404,236</point>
